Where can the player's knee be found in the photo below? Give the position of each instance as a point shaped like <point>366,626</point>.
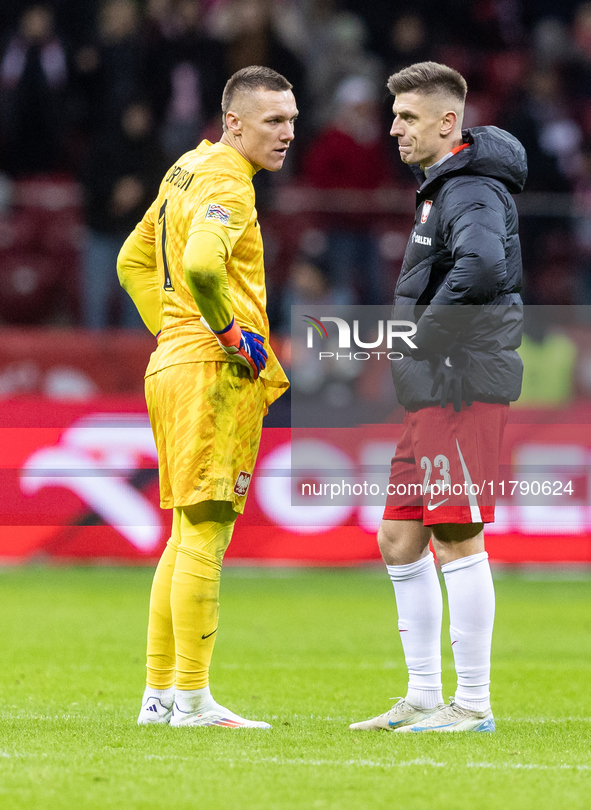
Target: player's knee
<point>386,539</point>
<point>402,541</point>
<point>391,542</point>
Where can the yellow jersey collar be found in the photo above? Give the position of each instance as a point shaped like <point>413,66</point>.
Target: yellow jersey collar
<point>244,164</point>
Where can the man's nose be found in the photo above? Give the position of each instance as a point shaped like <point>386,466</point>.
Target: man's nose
<point>396,131</point>
<point>287,132</point>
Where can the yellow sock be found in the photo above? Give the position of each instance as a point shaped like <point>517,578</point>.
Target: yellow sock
<point>161,664</point>
<point>205,530</point>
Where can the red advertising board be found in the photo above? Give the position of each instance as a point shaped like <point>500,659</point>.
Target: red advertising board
<point>79,482</point>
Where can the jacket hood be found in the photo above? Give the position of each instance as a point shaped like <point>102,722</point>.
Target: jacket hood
<point>492,153</point>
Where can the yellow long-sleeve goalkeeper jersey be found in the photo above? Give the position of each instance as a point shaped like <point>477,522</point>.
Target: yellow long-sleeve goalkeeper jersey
<point>208,189</point>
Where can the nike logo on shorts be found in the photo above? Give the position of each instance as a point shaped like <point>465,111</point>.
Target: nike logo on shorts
<point>432,506</point>
<point>209,634</point>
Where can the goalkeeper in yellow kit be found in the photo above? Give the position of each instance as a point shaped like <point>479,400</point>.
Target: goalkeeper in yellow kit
<point>194,268</point>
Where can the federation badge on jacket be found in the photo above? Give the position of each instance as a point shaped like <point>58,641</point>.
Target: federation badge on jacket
<point>426,211</point>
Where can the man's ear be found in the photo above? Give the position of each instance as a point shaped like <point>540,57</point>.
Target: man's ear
<point>448,123</point>
<point>233,123</point>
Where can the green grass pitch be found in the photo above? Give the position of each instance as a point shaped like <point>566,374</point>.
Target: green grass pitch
<point>308,650</point>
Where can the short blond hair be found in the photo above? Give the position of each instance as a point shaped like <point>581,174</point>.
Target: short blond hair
<point>249,79</point>
<point>430,78</point>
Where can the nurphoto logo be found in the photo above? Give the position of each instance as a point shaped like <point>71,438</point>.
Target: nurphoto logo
<point>387,331</point>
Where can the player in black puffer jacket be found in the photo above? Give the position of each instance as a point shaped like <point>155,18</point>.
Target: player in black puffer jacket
<point>464,249</point>
<point>459,288</point>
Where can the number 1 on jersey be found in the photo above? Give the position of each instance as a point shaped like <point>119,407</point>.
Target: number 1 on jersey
<point>162,219</point>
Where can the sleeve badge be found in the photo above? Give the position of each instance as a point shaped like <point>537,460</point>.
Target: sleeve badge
<point>218,213</point>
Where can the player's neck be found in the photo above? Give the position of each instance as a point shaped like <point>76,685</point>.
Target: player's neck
<point>235,143</point>
<point>445,150</point>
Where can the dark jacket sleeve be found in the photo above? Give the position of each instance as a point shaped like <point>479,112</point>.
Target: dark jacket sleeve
<point>473,224</point>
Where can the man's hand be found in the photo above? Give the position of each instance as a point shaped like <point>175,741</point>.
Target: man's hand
<point>453,376</point>
<point>247,347</point>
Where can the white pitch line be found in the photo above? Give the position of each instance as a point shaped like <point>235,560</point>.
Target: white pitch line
<point>289,666</point>
<point>370,763</point>
<point>531,720</point>
<point>357,763</point>
<point>528,766</point>
<point>347,720</point>
<point>313,717</point>
<point>541,720</point>
<point>345,665</point>
<point>542,665</point>
<point>49,717</point>
<point>422,762</point>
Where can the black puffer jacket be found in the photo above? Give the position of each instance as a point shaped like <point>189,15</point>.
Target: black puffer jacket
<point>461,274</point>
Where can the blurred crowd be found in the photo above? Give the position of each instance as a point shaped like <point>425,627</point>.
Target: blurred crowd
<point>99,97</point>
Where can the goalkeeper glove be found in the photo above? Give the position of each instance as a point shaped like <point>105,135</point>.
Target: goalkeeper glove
<point>452,376</point>
<point>246,347</point>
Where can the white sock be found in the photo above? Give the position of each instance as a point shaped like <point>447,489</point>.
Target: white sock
<point>419,603</point>
<point>165,696</point>
<point>471,597</point>
<point>193,700</point>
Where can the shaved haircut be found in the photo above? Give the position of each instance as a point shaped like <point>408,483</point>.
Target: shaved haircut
<point>430,79</point>
<point>247,81</point>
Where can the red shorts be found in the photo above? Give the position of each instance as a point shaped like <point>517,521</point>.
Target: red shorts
<point>446,465</point>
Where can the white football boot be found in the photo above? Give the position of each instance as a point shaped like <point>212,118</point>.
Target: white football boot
<point>155,711</point>
<point>400,715</point>
<point>455,718</point>
<point>212,714</point>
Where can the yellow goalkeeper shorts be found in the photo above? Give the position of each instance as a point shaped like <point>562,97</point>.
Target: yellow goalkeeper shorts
<point>206,419</point>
